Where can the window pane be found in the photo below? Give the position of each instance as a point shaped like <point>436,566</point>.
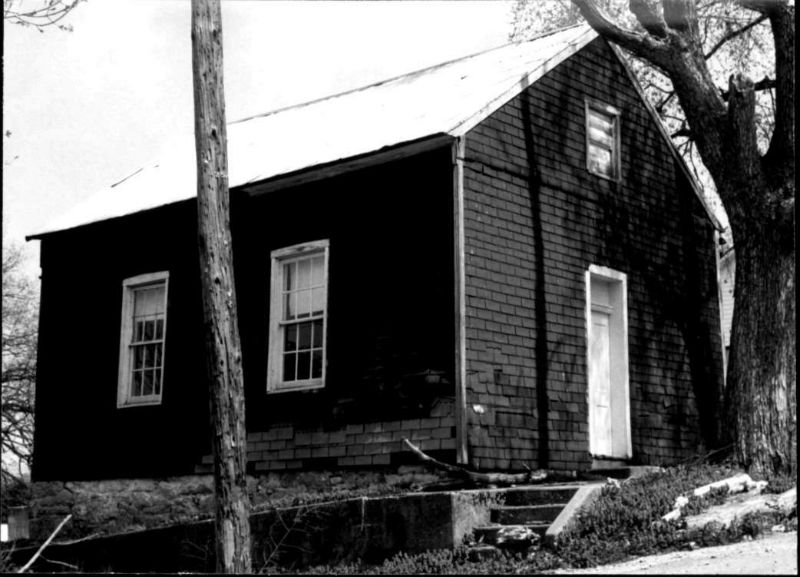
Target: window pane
<point>318,301</point>
<point>289,306</point>
<point>149,330</point>
<point>303,365</point>
<point>316,364</point>
<point>158,350</point>
<point>137,384</point>
<point>289,276</point>
<point>601,137</point>
<point>601,121</point>
<point>600,161</point>
<point>160,329</point>
<point>317,334</point>
<point>304,273</point>
<point>139,332</point>
<point>157,384</point>
<point>303,303</point>
<point>290,340</point>
<point>148,301</point>
<point>138,357</point>
<point>317,270</point>
<point>147,383</point>
<point>289,361</point>
<point>305,336</point>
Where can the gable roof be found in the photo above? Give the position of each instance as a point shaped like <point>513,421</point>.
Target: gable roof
<point>444,101</point>
<point>447,99</point>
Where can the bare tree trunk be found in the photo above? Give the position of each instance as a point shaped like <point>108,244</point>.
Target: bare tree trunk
<point>223,352</point>
<point>761,397</point>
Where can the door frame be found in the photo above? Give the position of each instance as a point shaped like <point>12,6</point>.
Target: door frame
<point>618,281</point>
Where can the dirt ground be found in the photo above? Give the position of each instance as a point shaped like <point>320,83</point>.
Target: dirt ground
<point>775,554</point>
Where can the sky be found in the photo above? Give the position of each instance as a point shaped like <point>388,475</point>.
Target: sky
<point>86,108</point>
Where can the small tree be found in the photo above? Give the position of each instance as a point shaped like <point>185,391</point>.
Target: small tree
<point>39,14</point>
<point>20,326</point>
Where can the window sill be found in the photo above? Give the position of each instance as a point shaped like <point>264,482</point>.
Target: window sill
<point>604,177</point>
<point>146,403</point>
<point>308,386</point>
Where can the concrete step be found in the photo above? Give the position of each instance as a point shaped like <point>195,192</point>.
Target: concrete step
<point>540,495</point>
<point>523,514</point>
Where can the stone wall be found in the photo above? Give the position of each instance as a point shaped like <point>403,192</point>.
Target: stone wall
<point>119,506</point>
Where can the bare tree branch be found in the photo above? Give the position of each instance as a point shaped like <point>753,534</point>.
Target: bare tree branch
<point>731,35</point>
<point>643,45</point>
<point>46,13</point>
<point>763,84</point>
<point>680,15</point>
<point>763,6</point>
<point>782,144</point>
<point>649,18</point>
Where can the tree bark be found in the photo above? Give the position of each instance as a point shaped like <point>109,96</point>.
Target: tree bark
<point>223,351</point>
<point>761,394</point>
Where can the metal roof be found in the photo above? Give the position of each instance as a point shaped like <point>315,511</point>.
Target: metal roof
<point>446,99</point>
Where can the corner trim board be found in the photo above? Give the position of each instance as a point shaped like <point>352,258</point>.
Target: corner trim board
<point>462,454</point>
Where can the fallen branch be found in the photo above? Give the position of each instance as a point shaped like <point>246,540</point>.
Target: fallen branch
<point>62,563</point>
<point>475,477</point>
<point>45,544</point>
<point>74,541</point>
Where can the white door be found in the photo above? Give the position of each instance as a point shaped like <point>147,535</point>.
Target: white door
<point>600,384</point>
<point>607,364</point>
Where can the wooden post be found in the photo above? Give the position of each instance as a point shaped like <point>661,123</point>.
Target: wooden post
<point>223,351</point>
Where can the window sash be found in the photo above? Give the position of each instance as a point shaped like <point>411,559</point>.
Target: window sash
<point>142,345</point>
<point>602,140</point>
<point>295,363</point>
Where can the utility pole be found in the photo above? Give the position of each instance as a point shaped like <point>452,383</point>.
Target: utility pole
<point>223,351</point>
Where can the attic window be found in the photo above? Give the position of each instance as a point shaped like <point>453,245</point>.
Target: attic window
<point>143,334</point>
<point>298,317</point>
<point>602,140</point>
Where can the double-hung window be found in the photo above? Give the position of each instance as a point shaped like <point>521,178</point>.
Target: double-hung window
<point>143,334</point>
<point>602,140</point>
<point>298,317</point>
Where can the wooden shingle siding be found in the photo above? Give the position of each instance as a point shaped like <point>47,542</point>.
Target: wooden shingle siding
<point>390,319</point>
<point>535,219</point>
<point>289,447</point>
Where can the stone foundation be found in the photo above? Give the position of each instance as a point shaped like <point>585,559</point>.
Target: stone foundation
<point>123,505</point>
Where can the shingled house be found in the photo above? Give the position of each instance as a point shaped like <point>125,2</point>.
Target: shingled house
<point>501,257</point>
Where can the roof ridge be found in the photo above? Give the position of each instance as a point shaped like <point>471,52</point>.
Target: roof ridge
<point>403,75</point>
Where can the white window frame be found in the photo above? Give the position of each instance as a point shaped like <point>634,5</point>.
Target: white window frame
<point>275,382</point>
<point>124,384</point>
<point>597,107</point>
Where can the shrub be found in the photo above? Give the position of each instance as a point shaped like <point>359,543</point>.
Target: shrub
<point>626,520</point>
<point>777,484</point>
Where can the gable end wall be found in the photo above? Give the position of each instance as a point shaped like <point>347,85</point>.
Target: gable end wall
<point>535,219</point>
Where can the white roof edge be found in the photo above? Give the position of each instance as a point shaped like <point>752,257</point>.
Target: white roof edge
<point>662,129</point>
<point>307,174</point>
<point>442,64</point>
<point>571,49</point>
